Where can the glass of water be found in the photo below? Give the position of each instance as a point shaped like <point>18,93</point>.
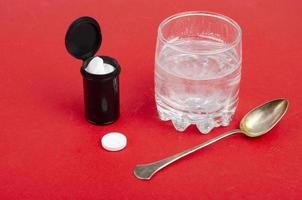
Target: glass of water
<point>197,70</point>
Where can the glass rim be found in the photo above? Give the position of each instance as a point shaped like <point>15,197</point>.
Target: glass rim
<point>201,13</point>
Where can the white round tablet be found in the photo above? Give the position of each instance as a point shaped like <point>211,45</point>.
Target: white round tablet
<point>114,141</point>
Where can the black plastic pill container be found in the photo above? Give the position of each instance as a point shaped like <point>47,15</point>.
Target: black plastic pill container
<point>101,91</point>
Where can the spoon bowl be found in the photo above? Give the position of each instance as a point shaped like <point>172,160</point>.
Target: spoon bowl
<point>263,118</point>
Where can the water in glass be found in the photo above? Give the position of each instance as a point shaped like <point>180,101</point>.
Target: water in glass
<point>197,88</point>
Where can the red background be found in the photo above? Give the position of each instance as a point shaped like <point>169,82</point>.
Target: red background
<point>49,151</point>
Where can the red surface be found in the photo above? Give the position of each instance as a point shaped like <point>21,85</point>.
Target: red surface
<point>49,151</point>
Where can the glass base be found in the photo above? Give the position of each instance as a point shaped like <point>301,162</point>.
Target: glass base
<point>204,122</point>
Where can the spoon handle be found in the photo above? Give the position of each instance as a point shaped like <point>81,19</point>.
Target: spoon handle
<point>146,171</point>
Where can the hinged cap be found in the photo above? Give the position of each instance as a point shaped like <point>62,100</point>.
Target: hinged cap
<point>83,38</point>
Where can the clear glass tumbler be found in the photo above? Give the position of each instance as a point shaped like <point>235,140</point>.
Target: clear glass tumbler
<point>197,70</point>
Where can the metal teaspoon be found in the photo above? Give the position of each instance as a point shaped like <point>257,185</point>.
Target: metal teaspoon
<point>255,123</point>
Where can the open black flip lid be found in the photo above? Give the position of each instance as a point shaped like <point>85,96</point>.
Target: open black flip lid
<point>83,38</point>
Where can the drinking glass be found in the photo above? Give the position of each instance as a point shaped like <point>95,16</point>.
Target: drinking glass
<point>197,70</point>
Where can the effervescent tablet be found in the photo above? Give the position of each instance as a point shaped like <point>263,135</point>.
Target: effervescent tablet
<point>114,141</point>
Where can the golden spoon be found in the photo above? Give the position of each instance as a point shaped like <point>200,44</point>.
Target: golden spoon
<point>255,123</point>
